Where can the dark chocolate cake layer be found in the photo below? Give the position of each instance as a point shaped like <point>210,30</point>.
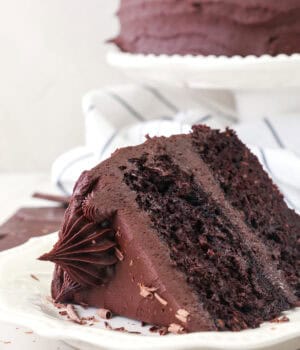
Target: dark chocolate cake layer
<point>151,234</point>
<point>209,27</point>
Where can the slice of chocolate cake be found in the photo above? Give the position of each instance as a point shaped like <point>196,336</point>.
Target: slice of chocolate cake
<point>187,231</point>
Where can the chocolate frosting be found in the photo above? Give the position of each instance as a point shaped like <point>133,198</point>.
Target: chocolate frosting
<point>104,209</point>
<point>223,27</point>
<point>84,251</point>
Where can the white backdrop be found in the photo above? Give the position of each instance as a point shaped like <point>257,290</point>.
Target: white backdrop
<point>51,53</point>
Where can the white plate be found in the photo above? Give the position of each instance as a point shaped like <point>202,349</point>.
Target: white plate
<point>23,301</point>
<point>219,72</point>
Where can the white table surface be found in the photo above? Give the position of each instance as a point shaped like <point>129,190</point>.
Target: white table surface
<point>15,192</point>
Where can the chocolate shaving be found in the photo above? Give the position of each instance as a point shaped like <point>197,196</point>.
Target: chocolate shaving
<point>90,318</point>
<point>182,315</point>
<point>73,314</point>
<point>124,330</point>
<point>119,254</point>
<point>160,299</point>
<point>175,328</point>
<point>104,313</point>
<point>107,325</point>
<point>34,277</point>
<point>57,305</point>
<point>146,292</point>
<point>149,292</point>
<point>154,329</point>
<point>133,332</point>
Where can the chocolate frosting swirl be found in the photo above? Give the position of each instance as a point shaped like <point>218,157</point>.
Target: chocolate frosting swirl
<point>85,250</point>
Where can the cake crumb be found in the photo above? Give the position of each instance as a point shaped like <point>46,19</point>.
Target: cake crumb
<point>159,330</point>
<point>281,319</point>
<point>119,329</point>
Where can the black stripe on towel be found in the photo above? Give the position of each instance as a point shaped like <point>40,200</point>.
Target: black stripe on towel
<point>91,108</point>
<point>267,166</point>
<point>161,98</point>
<point>274,133</point>
<point>203,119</point>
<point>165,117</point>
<point>125,105</point>
<point>60,185</point>
<point>108,143</point>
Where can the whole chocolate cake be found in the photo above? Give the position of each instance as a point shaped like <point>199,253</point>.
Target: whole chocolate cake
<point>187,231</point>
<point>210,27</point>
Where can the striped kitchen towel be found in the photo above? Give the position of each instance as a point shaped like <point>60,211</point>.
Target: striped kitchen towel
<point>121,116</point>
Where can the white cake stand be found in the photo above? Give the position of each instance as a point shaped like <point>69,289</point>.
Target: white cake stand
<point>261,85</point>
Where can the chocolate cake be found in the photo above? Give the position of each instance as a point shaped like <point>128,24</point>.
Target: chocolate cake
<point>209,27</point>
<point>187,231</point>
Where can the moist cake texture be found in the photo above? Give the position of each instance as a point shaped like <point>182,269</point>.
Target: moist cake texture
<point>209,27</point>
<point>186,230</point>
